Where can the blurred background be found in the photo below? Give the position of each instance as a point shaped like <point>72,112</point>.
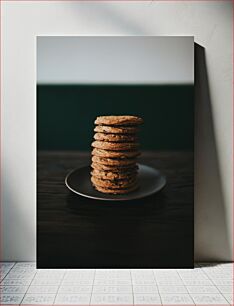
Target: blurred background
<point>80,78</point>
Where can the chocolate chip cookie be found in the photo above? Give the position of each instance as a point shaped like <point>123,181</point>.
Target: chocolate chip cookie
<point>115,146</point>
<point>108,175</point>
<point>114,184</point>
<point>118,120</point>
<point>115,137</point>
<point>115,154</point>
<point>116,191</point>
<point>115,129</point>
<point>113,161</point>
<point>118,168</point>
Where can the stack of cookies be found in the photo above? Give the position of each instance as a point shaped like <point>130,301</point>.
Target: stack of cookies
<point>114,154</point>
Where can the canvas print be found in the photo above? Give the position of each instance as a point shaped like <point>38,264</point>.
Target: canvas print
<point>115,151</point>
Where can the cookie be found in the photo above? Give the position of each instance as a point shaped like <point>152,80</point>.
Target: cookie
<point>112,161</point>
<point>118,184</point>
<point>121,168</point>
<point>118,120</point>
<point>115,130</point>
<point>116,191</point>
<point>115,137</point>
<point>115,154</point>
<point>108,175</point>
<point>121,146</point>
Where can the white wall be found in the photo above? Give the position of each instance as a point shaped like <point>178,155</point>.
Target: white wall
<point>210,22</point>
<point>108,60</point>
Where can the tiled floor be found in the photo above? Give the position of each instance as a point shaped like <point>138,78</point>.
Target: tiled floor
<point>207,284</point>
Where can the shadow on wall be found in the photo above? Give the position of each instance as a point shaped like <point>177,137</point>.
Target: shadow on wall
<point>18,226</point>
<point>211,232</point>
<point>112,15</point>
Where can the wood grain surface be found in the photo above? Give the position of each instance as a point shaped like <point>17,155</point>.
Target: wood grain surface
<point>76,232</point>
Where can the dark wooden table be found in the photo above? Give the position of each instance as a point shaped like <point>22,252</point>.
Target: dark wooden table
<point>76,232</point>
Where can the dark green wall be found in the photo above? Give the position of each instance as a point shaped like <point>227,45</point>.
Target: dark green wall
<point>65,114</point>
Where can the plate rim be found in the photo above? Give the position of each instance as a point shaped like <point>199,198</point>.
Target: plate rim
<point>114,199</point>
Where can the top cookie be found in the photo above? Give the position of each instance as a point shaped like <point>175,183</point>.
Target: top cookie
<point>118,120</point>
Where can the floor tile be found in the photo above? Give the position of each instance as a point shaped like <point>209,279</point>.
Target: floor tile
<point>112,289</point>
<point>16,282</point>
<point>6,267</point>
<point>196,277</point>
<point>7,264</point>
<point>55,272</point>
<point>111,299</point>
<point>145,289</point>
<point>78,282</point>
<point>81,273</point>
<point>222,282</point>
<point>197,272</point>
<point>13,289</point>
<point>11,299</point>
<point>197,282</point>
<point>176,299</point>
<point>75,289</point>
<point>23,270</point>
<point>43,289</point>
<point>112,275</point>
<point>3,275</point>
<point>168,277</point>
<point>165,270</point>
<point>114,271</point>
<point>109,277</point>
<point>26,264</point>
<point>172,289</point>
<point>39,299</point>
<point>141,270</point>
<point>228,297</point>
<point>46,282</point>
<point>143,282</point>
<point>81,270</point>
<point>144,274</point>
<point>4,270</point>
<point>77,276</point>
<point>48,277</point>
<point>209,299</point>
<point>149,278</point>
<point>169,282</point>
<point>112,282</point>
<point>19,276</point>
<point>222,276</point>
<point>202,289</point>
<point>72,299</point>
<point>225,289</point>
<point>147,299</point>
<point>185,270</point>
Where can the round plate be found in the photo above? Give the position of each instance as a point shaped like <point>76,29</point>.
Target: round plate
<point>150,181</point>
